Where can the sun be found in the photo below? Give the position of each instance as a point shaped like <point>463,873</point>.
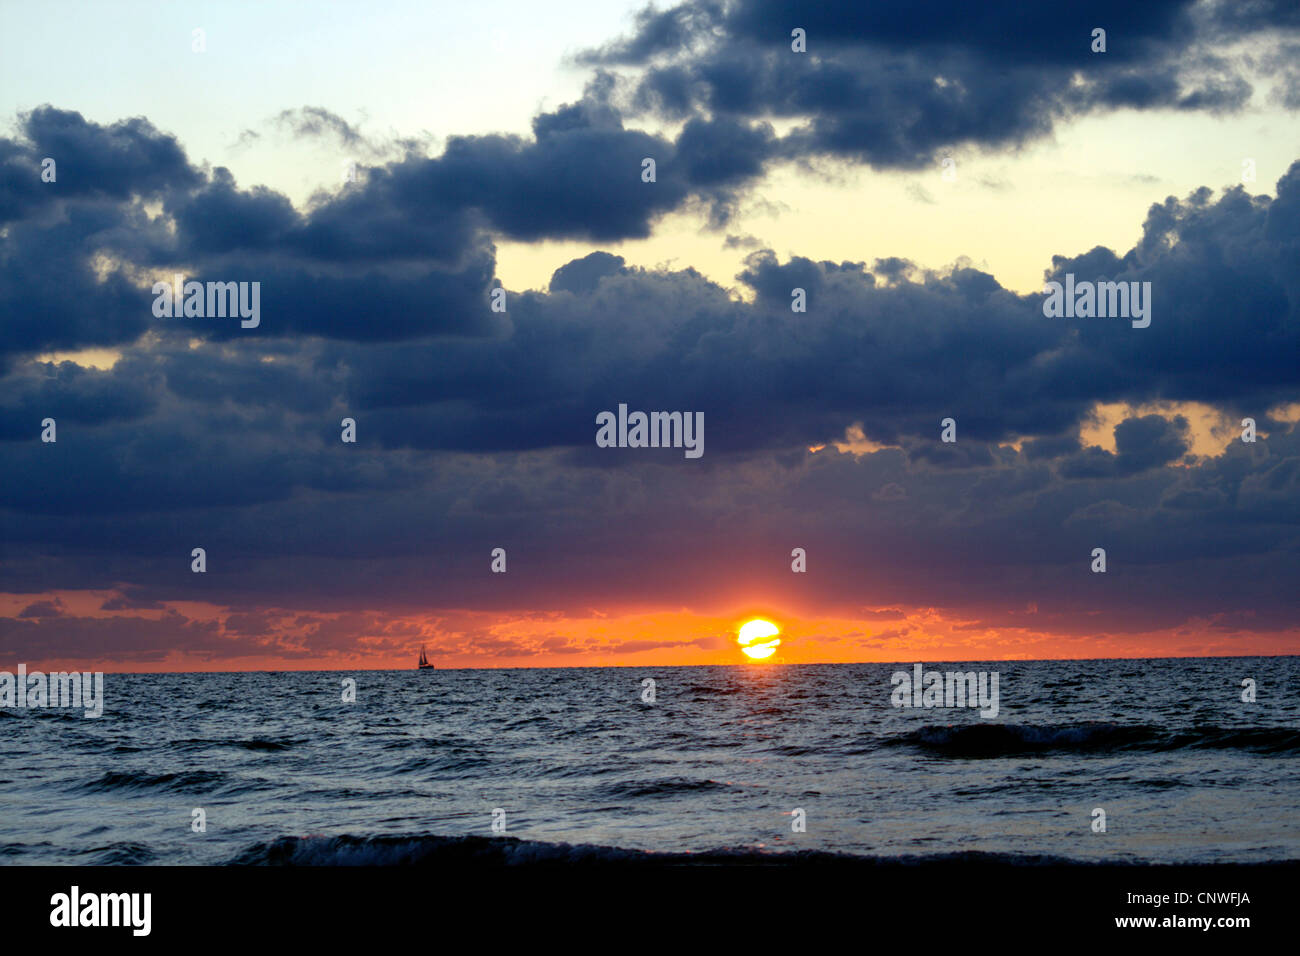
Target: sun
<point>758,639</point>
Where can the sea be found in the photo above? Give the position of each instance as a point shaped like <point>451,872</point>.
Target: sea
<point>1103,761</point>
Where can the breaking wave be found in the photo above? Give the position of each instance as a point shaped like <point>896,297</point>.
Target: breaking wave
<point>512,851</point>
<point>987,740</point>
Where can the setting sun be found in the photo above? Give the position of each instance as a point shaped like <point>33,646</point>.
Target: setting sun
<point>758,639</point>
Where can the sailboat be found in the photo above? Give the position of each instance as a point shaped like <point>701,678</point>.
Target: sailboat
<point>424,661</point>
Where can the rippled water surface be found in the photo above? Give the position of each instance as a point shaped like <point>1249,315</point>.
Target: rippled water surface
<point>1183,768</point>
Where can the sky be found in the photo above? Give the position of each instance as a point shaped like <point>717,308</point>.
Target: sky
<point>919,172</point>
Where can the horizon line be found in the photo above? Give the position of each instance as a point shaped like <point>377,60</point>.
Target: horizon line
<point>756,665</point>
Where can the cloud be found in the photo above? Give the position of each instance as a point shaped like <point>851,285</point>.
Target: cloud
<point>127,158</point>
<point>316,121</point>
<point>890,87</point>
<point>42,609</point>
<point>475,429</point>
<point>583,275</point>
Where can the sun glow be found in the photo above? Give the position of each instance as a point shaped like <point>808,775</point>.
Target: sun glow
<point>758,639</point>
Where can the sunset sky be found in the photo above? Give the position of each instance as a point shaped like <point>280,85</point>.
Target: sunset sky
<point>501,144</point>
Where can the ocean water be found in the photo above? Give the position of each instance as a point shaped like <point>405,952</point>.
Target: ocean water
<point>286,772</point>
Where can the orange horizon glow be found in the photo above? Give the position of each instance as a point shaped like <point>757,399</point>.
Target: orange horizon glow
<point>195,637</point>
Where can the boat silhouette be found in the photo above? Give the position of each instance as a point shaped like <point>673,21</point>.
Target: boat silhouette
<point>424,661</point>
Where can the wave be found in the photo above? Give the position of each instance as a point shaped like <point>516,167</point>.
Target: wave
<point>120,854</point>
<point>18,849</point>
<point>449,851</point>
<point>456,763</point>
<point>255,743</point>
<point>667,787</point>
<point>505,851</point>
<point>188,781</point>
<point>990,740</point>
<point>264,745</point>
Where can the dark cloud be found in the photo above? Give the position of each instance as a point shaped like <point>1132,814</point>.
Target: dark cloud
<point>579,176</point>
<point>128,158</point>
<point>42,609</point>
<point>131,599</point>
<point>889,345</point>
<point>583,275</point>
<point>405,251</point>
<point>891,85</point>
<point>1150,441</point>
<point>475,429</point>
<point>72,396</point>
<point>1141,443</point>
<point>219,218</point>
<point>134,639</point>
